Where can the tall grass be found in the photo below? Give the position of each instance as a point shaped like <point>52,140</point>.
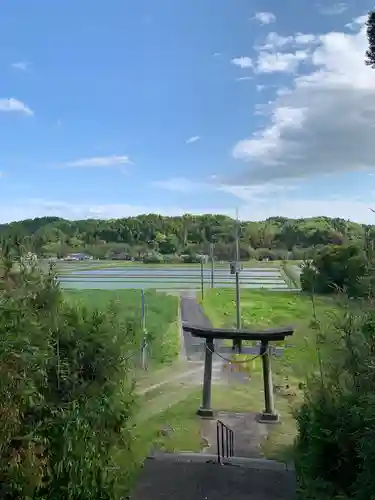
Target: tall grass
<point>336,422</point>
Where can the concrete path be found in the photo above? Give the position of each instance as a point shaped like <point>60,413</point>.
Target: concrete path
<point>182,480</point>
<point>191,312</point>
<point>249,434</point>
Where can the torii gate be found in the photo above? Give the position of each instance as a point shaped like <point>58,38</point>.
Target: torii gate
<point>268,415</point>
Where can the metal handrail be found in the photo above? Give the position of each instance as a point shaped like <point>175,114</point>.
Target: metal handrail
<point>224,441</point>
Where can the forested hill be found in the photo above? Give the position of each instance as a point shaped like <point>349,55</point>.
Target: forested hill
<point>177,235</point>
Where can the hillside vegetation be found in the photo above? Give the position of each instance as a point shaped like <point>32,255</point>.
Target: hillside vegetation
<point>275,238</point>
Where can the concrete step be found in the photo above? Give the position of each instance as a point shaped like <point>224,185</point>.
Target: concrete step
<point>191,477</point>
<point>250,463</point>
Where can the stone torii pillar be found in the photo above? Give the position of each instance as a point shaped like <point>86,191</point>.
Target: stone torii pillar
<point>206,409</point>
<point>268,414</point>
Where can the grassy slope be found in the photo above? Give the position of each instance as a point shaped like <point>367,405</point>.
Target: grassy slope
<point>266,309</point>
<point>161,315</point>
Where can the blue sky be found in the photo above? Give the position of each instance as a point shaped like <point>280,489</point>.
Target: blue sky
<point>110,109</point>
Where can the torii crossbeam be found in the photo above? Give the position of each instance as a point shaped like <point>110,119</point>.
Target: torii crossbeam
<point>268,415</point>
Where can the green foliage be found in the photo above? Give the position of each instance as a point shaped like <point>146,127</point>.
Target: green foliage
<point>335,446</point>
<point>134,237</point>
<point>336,268</point>
<point>65,395</point>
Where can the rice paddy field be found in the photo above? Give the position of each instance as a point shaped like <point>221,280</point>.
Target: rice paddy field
<point>115,275</point>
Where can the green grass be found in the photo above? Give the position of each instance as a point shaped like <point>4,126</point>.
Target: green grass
<point>160,316</point>
<point>184,424</point>
<point>265,309</point>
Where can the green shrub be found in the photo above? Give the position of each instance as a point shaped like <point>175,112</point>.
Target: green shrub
<point>335,448</point>
<point>336,267</point>
<point>66,394</point>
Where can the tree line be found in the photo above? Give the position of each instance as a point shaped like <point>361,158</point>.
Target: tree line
<point>135,237</point>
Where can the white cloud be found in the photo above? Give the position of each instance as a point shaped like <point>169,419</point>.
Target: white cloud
<point>325,123</point>
<point>243,62</point>
<point>265,17</point>
<point>334,9</point>
<point>280,62</point>
<point>99,161</point>
<point>21,65</point>
<point>214,183</point>
<point>275,42</point>
<point>193,139</point>
<point>357,22</point>
<point>11,105</point>
<point>244,78</point>
<point>256,191</point>
<point>305,39</point>
<point>178,184</point>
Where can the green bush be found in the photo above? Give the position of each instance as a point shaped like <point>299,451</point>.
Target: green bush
<point>66,394</point>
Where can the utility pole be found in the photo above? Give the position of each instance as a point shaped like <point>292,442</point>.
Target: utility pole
<point>237,343</point>
<point>212,246</point>
<point>143,326</point>
<point>238,298</point>
<point>202,279</point>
